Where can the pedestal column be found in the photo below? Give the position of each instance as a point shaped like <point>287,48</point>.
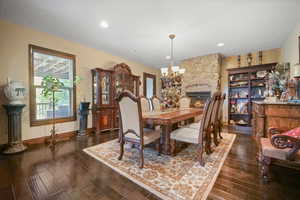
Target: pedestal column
<point>83,112</point>
<point>14,114</point>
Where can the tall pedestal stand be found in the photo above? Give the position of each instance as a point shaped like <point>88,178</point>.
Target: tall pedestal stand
<point>14,114</point>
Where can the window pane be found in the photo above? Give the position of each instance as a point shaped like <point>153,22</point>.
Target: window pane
<point>63,107</point>
<point>149,92</point>
<point>59,67</point>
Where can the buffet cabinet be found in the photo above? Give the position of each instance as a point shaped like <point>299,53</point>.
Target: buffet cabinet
<point>106,85</point>
<point>282,115</point>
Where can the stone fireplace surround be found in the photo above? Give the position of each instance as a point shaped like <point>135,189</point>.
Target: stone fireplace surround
<point>199,98</point>
<point>202,75</point>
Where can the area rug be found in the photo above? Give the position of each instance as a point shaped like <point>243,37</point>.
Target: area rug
<point>179,177</point>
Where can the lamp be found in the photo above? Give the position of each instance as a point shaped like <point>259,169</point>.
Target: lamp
<point>164,71</point>
<point>181,71</point>
<point>175,69</point>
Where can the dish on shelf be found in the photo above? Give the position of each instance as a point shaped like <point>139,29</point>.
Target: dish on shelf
<point>261,74</point>
<point>242,122</point>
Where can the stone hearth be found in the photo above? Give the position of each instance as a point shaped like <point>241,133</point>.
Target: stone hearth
<point>202,73</point>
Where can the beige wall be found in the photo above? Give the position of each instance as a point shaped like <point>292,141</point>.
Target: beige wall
<point>290,48</point>
<point>269,56</point>
<point>14,40</point>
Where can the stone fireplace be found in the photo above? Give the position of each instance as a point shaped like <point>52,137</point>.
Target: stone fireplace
<point>201,76</point>
<point>198,99</point>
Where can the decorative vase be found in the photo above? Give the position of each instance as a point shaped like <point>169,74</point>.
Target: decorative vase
<point>15,92</point>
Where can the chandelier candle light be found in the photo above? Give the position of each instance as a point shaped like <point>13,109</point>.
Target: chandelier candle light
<point>171,80</point>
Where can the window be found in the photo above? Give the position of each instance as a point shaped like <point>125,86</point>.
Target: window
<point>149,85</point>
<point>60,65</point>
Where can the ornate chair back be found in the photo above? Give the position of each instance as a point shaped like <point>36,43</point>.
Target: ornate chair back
<point>130,114</point>
<point>184,102</point>
<point>205,121</point>
<point>145,104</point>
<point>215,111</point>
<point>220,112</point>
<point>156,103</point>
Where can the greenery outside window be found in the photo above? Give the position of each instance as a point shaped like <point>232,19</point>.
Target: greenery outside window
<point>45,62</point>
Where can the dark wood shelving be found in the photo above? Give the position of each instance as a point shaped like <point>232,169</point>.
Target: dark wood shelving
<point>249,73</point>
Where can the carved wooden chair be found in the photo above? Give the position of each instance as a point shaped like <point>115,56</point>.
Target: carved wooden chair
<point>220,115</point>
<point>131,126</point>
<point>195,136</point>
<point>156,103</point>
<point>214,116</point>
<point>215,108</point>
<point>184,102</point>
<point>278,145</point>
<point>145,105</point>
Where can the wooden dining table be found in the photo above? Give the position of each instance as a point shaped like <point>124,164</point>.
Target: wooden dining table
<point>166,119</point>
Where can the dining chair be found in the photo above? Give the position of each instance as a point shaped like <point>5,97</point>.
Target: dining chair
<point>214,117</point>
<point>145,104</point>
<point>194,136</point>
<point>184,102</point>
<point>220,115</point>
<point>131,126</point>
<point>156,103</point>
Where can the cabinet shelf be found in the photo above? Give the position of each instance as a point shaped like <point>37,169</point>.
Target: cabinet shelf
<point>246,76</point>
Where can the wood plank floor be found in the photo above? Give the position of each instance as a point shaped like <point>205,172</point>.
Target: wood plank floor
<point>69,174</point>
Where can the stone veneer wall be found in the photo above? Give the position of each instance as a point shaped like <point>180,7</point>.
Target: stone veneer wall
<point>202,73</point>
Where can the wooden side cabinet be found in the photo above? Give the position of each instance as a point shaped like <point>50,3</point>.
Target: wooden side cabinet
<point>281,115</point>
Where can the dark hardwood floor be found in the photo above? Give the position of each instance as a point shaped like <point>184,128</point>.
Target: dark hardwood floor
<point>70,174</point>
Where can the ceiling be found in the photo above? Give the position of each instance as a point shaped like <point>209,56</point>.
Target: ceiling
<point>139,29</point>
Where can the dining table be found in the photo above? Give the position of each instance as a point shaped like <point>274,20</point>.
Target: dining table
<point>166,119</point>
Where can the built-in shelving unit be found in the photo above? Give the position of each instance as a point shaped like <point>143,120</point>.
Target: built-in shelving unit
<point>246,84</point>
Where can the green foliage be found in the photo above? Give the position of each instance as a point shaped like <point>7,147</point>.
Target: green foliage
<point>51,85</point>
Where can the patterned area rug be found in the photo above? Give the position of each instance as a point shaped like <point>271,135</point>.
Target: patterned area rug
<point>171,178</point>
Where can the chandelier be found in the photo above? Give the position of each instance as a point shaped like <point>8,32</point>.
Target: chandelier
<point>172,70</point>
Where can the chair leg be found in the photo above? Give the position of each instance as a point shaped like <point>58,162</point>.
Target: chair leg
<point>215,133</point>
<point>265,167</point>
<point>200,155</point>
<point>121,149</point>
<point>159,146</point>
<point>141,157</point>
<point>173,147</point>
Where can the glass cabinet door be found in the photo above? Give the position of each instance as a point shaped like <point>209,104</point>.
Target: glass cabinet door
<point>105,88</point>
<point>95,87</point>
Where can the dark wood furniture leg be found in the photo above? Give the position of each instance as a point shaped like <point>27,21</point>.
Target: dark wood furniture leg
<point>265,166</point>
<point>141,148</point>
<point>166,131</point>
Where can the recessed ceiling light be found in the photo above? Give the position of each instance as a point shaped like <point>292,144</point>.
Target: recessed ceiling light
<point>220,44</point>
<point>104,24</point>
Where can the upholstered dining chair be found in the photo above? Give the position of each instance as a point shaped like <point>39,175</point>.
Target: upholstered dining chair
<point>145,104</point>
<point>156,103</point>
<point>131,126</point>
<point>184,102</point>
<point>194,136</point>
<point>279,145</point>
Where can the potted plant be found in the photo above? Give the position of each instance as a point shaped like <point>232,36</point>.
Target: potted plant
<point>51,85</point>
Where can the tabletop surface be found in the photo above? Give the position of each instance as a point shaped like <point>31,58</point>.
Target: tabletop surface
<point>172,113</point>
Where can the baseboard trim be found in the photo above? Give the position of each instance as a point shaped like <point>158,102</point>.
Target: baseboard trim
<point>61,136</point>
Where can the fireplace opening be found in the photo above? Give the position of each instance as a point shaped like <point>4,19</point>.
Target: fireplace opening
<point>198,99</point>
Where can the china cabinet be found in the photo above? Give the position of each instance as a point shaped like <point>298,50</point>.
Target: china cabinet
<point>245,85</point>
<point>106,85</point>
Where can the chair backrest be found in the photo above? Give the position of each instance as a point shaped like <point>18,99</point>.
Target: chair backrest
<point>220,112</point>
<point>205,120</point>
<point>184,102</point>
<point>208,119</point>
<point>215,110</point>
<point>130,113</point>
<point>145,104</point>
<point>156,103</point>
